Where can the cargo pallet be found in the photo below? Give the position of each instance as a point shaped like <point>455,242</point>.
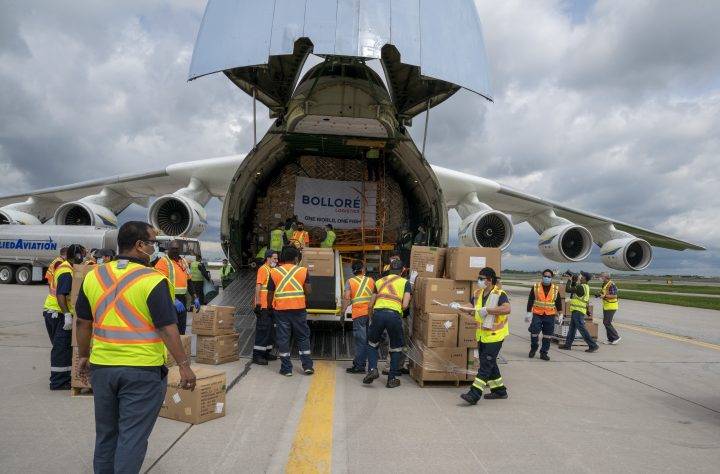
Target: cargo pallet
<point>81,392</point>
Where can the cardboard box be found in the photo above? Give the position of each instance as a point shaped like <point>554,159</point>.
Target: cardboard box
<point>427,262</point>
<point>428,290</point>
<point>216,350</point>
<point>79,272</point>
<point>214,321</point>
<point>205,403</point>
<point>567,312</point>
<point>561,330</point>
<point>440,364</point>
<point>319,262</point>
<point>77,381</point>
<point>466,331</point>
<point>473,363</point>
<point>436,330</point>
<point>464,263</point>
<point>186,340</point>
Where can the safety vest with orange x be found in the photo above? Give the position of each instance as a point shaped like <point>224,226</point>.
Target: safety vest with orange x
<point>289,287</point>
<point>390,292</point>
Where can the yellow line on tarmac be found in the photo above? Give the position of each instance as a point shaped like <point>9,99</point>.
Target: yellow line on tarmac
<point>674,337</point>
<point>311,450</point>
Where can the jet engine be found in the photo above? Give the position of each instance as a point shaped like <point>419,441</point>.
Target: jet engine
<point>565,243</point>
<point>178,216</point>
<point>629,253</point>
<point>486,228</point>
<point>12,216</point>
<point>85,213</point>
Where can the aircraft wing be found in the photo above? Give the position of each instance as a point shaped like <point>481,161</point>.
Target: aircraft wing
<point>522,206</point>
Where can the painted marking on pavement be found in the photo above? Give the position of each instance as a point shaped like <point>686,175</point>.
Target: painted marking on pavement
<point>674,337</point>
<point>311,450</point>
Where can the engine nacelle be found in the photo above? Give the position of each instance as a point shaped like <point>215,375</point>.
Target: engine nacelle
<point>630,253</point>
<point>11,216</point>
<point>178,216</point>
<point>486,228</point>
<point>85,213</point>
<point>565,243</point>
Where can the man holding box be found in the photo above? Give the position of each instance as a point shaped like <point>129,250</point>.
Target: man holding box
<point>580,297</point>
<point>543,305</point>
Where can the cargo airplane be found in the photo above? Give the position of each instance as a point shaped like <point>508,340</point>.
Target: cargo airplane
<point>341,109</point>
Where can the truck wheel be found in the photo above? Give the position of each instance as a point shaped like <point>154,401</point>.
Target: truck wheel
<point>23,275</point>
<point>7,274</point>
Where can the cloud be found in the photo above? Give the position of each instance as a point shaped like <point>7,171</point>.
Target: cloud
<point>612,107</point>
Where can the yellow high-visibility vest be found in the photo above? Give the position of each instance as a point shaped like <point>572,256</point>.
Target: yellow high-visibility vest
<point>612,303</point>
<point>500,328</point>
<point>390,292</point>
<point>580,303</point>
<point>51,302</point>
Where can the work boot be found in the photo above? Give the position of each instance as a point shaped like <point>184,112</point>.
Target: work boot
<point>564,347</point>
<point>544,356</point>
<point>259,360</point>
<point>532,353</point>
<point>372,375</point>
<point>286,374</point>
<point>270,356</point>
<point>472,397</point>
<point>393,382</point>
<point>592,349</point>
<point>403,371</point>
<point>354,370</point>
<point>496,396</point>
<point>309,371</point>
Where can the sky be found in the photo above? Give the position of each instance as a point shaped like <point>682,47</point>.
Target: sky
<point>608,106</point>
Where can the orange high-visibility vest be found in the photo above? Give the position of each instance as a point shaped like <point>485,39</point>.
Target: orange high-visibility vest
<point>390,292</point>
<point>176,272</point>
<point>289,282</point>
<point>544,304</point>
<point>263,278</point>
<point>301,237</point>
<point>361,290</point>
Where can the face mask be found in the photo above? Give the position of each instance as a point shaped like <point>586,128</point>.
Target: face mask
<point>546,280</point>
<point>154,255</point>
<point>273,264</point>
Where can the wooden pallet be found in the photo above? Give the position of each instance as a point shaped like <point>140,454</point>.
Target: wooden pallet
<point>81,392</point>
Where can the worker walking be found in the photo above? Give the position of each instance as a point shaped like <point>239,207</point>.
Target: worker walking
<point>392,297</point>
<point>174,267</point>
<point>287,290</point>
<point>329,239</point>
<point>57,314</point>
<point>491,308</point>
<point>300,237</point>
<point>358,293</point>
<point>127,310</point>
<point>198,275</point>
<point>264,334</point>
<point>227,273</point>
<point>609,295</point>
<point>543,305</point>
<point>579,298</point>
<point>277,238</point>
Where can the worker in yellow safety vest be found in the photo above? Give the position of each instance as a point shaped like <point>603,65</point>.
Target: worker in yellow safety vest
<point>227,273</point>
<point>609,295</point>
<point>300,237</point>
<point>57,314</point>
<point>54,264</point>
<point>491,308</point>
<point>198,275</point>
<point>391,298</point>
<point>579,291</point>
<point>125,307</point>
<point>543,305</point>
<point>277,237</point>
<point>174,267</point>
<point>358,293</point>
<point>330,236</point>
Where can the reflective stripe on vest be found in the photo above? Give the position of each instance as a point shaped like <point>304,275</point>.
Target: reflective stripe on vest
<point>289,292</point>
<point>276,240</point>
<point>580,303</point>
<point>302,237</point>
<point>195,274</point>
<point>51,302</point>
<point>264,286</point>
<point>500,329</point>
<point>329,239</point>
<point>612,303</point>
<point>544,304</point>
<point>361,294</point>
<point>123,331</point>
<point>390,291</point>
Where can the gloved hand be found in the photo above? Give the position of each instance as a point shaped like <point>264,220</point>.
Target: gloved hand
<point>196,304</point>
<point>257,310</point>
<point>454,305</point>
<point>483,312</point>
<point>68,322</point>
<point>528,317</point>
<point>179,306</point>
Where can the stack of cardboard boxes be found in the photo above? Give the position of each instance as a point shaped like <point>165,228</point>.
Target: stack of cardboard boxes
<point>561,330</point>
<point>445,339</point>
<point>217,341</point>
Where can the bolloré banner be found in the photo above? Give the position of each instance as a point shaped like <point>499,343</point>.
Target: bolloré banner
<point>340,203</point>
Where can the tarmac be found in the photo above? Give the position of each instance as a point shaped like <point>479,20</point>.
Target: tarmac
<point>648,404</point>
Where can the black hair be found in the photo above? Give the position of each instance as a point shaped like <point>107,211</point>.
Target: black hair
<point>329,226</point>
<point>488,272</point>
<point>130,232</point>
<point>289,254</point>
<point>75,253</point>
<point>357,267</point>
<point>547,270</point>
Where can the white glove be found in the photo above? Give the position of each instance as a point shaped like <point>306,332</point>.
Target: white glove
<point>528,317</point>
<point>454,305</point>
<point>68,322</point>
<point>483,312</point>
